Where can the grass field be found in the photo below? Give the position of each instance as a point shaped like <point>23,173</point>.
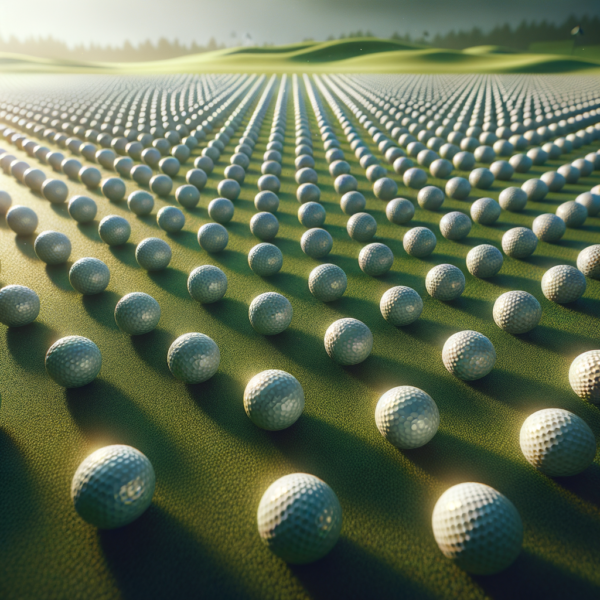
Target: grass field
<point>342,56</point>
<point>199,537</point>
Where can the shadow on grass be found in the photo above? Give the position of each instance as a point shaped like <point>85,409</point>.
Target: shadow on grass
<point>29,344</point>
<point>171,280</point>
<point>231,259</point>
<point>59,276</point>
<point>153,348</point>
<point>184,238</point>
<point>125,253</point>
<point>101,307</point>
<point>24,244</point>
<point>90,230</point>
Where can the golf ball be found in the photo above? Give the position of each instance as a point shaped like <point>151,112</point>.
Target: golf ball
<point>548,227</point>
<point>213,237</point>
<point>89,276</point>
<point>113,486</point>
<point>478,528</point>
<point>401,305</point>
<point>170,219</point>
<point>584,376</point>
<point>361,227</point>
<point>484,261</point>
<point>153,254</point>
<point>563,284</point>
<point>316,242</point>
<point>137,313</point>
<point>327,282</point>
<point>311,214</point>
<point>21,219</point>
<point>270,313</point>
<point>193,358</point>
<point>348,341</point>
<point>273,400</point>
<point>52,247</point>
<point>82,209</point>
<point>19,305</point>
<point>114,230</point>
<point>455,225</point>
<point>445,282</point>
<point>419,242</point>
<point>468,355</point>
<point>299,518</point>
<point>207,284</point>
<point>588,261</point>
<point>221,210</point>
<point>73,361</point>
<point>407,417</point>
<point>517,312</point>
<point>265,259</point>
<point>264,226</point>
<point>557,442</point>
<point>519,242</point>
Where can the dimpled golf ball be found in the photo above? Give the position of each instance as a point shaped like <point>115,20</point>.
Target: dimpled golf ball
<point>588,261</point>
<point>114,230</point>
<point>19,305</point>
<point>52,247</point>
<point>361,227</point>
<point>572,213</point>
<point>484,261</point>
<point>401,306</point>
<point>375,259</point>
<point>563,284</point>
<point>213,237</point>
<point>468,355</point>
<point>21,219</point>
<point>419,242</point>
<point>137,313</point>
<point>89,276</point>
<point>140,203</point>
<point>455,225</point>
<point>113,486</point>
<point>316,242</point>
<point>264,226</point>
<point>478,528</point>
<point>430,198</point>
<point>557,442</point>
<point>82,209</point>
<point>73,361</point>
<point>485,211</point>
<point>170,219</point>
<point>399,211</point>
<point>517,312</point>
<point>273,400</point>
<point>311,214</point>
<point>519,242</point>
<point>584,376</point>
<point>299,518</point>
<point>221,210</point>
<point>445,282</point>
<point>352,202</point>
<point>207,284</point>
<point>348,341</point>
<point>5,202</point>
<point>265,259</point>
<point>270,313</point>
<point>513,199</point>
<point>193,358</point>
<point>327,282</point>
<point>548,227</point>
<point>153,254</point>
<point>407,417</point>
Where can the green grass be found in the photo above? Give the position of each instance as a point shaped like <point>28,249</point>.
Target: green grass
<point>341,56</point>
<point>199,537</point>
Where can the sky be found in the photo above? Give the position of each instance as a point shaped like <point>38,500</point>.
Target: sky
<point>271,21</point>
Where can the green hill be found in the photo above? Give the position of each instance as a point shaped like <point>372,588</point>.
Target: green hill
<point>343,56</point>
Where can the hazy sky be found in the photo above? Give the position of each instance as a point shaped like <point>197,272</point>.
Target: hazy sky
<point>276,21</point>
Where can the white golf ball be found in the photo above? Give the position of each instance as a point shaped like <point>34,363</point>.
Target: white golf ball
<point>469,355</point>
<point>584,376</point>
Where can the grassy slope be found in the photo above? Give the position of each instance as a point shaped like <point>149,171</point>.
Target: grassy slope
<point>199,537</point>
<point>348,56</point>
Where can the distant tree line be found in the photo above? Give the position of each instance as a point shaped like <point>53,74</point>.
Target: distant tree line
<point>51,48</point>
<point>517,38</point>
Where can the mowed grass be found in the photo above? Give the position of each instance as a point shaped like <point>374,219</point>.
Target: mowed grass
<point>359,55</point>
<point>199,537</point>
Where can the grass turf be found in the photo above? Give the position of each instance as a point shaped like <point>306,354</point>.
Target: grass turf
<point>199,537</point>
<point>359,55</point>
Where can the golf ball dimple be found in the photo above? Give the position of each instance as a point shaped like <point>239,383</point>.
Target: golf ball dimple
<point>419,242</point>
<point>484,261</point>
<point>445,282</point>
<point>73,361</point>
<point>478,528</point>
<point>361,227</point>
<point>563,284</point>
<point>401,306</point>
<point>455,225</point>
<point>193,358</point>
<point>375,259</point>
<point>153,254</point>
<point>316,242</point>
<point>270,313</point>
<point>137,313</point>
<point>213,237</point>
<point>548,227</point>
<point>468,355</point>
<point>584,376</point>
<point>557,442</point>
<point>89,276</point>
<point>273,400</point>
<point>348,341</point>
<point>264,226</point>
<point>52,247</point>
<point>265,259</point>
<point>588,261</point>
<point>311,214</point>
<point>19,305</point>
<point>407,417</point>
<point>114,230</point>
<point>517,312</point>
<point>327,282</point>
<point>113,486</point>
<point>207,284</point>
<point>519,242</point>
<point>170,219</point>
<point>299,518</point>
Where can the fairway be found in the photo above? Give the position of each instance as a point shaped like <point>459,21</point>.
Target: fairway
<point>199,537</point>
